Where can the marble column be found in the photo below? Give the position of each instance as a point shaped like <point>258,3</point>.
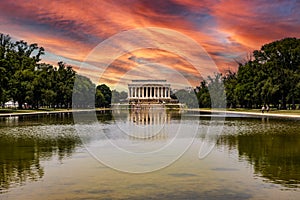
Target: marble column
<point>158,92</point>
<point>153,92</point>
<point>141,92</point>
<point>165,92</point>
<point>160,89</point>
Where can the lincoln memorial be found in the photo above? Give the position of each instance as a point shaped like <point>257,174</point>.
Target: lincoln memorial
<point>149,91</point>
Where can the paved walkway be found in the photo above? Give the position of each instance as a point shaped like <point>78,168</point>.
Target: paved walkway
<point>270,114</point>
<point>43,112</point>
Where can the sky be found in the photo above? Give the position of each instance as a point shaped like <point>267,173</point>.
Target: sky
<point>85,33</point>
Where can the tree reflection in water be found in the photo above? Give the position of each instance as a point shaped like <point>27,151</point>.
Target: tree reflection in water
<point>273,149</point>
<point>271,146</point>
<point>22,147</point>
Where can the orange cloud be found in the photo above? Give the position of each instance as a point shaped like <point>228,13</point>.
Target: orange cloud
<point>253,24</point>
<point>226,29</point>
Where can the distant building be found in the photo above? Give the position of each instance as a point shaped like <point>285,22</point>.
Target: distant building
<point>189,89</point>
<point>11,104</point>
<point>149,91</point>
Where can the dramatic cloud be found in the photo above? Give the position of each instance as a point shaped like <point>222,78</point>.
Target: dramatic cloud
<point>70,30</point>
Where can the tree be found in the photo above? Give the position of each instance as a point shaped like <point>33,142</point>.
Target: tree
<point>272,77</point>
<point>118,97</point>
<point>115,96</point>
<point>107,94</point>
<point>64,77</point>
<point>230,83</point>
<point>5,48</point>
<point>44,85</point>
<point>20,62</point>
<point>25,80</point>
<point>99,99</point>
<point>203,95</point>
<point>217,91</point>
<point>188,98</point>
<point>83,92</point>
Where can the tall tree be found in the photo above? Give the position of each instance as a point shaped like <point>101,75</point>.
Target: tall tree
<point>64,77</point>
<point>107,94</point>
<point>22,60</point>
<point>230,83</point>
<point>5,48</point>
<point>282,58</point>
<point>203,95</point>
<point>83,92</point>
<point>217,91</point>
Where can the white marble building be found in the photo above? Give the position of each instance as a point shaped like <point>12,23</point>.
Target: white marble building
<point>149,91</point>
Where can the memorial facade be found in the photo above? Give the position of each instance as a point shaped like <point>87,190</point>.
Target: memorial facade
<point>149,91</point>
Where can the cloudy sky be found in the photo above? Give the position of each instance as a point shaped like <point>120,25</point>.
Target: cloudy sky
<point>71,31</point>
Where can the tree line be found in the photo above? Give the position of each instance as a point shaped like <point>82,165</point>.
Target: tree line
<point>269,76</point>
<point>34,84</point>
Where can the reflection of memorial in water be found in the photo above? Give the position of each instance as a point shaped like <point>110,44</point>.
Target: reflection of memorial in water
<point>148,123</point>
<point>149,116</point>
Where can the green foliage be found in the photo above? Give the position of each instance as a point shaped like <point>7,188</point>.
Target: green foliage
<point>103,96</point>
<point>203,95</point>
<point>230,82</point>
<point>272,77</point>
<point>187,98</point>
<point>25,80</point>
<point>212,92</point>
<point>118,97</point>
<point>83,92</point>
<point>217,91</point>
<point>18,63</point>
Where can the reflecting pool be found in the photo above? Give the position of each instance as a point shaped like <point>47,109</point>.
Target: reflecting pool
<point>44,156</point>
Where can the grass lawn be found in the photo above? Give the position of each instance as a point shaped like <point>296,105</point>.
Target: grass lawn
<point>272,111</point>
<point>275,111</point>
<point>294,112</point>
<point>6,110</point>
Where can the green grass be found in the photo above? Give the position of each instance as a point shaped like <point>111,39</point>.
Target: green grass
<point>6,110</point>
<point>294,112</point>
<point>272,110</point>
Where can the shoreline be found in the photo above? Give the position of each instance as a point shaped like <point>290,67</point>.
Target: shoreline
<point>244,113</point>
<point>247,113</point>
<point>15,114</point>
